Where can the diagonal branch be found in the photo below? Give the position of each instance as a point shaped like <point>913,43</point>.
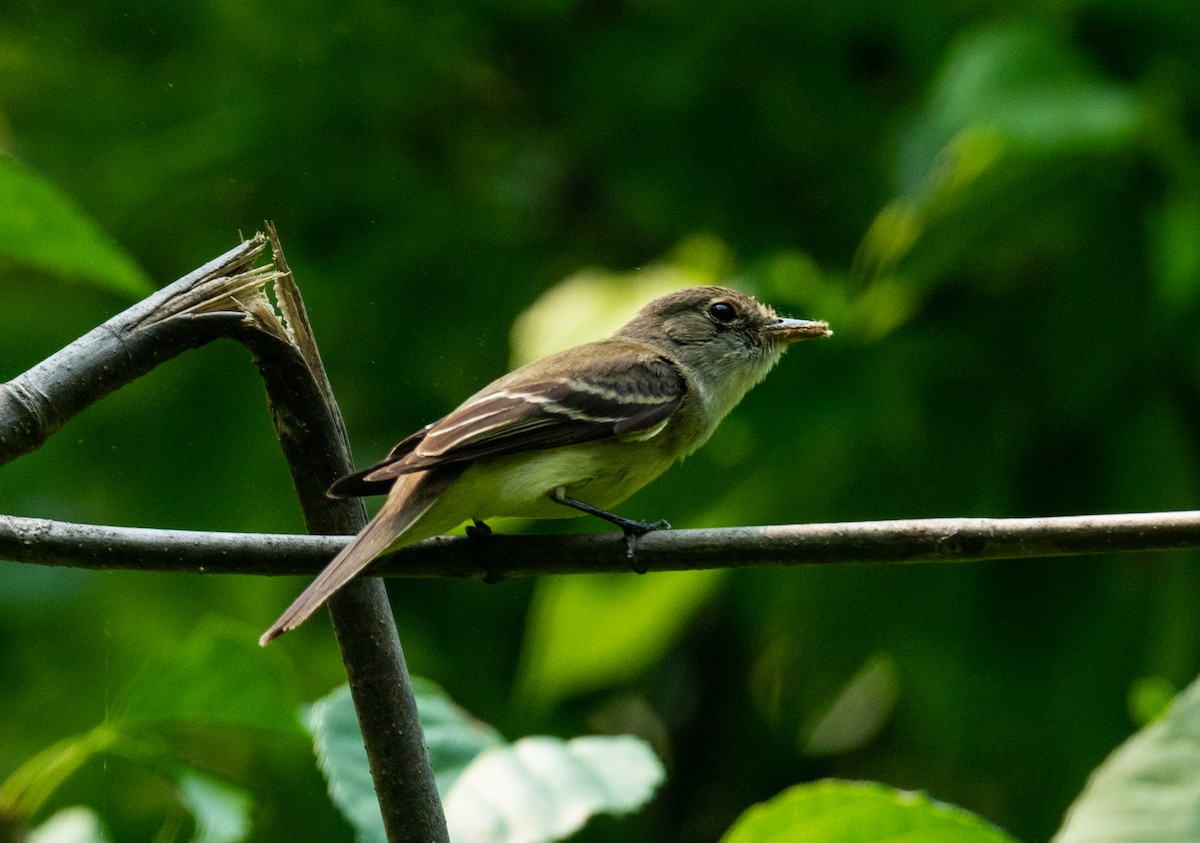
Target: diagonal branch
<point>196,309</point>
<point>920,540</point>
<point>313,437</point>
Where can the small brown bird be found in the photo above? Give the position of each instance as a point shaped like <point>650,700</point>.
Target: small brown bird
<point>576,432</point>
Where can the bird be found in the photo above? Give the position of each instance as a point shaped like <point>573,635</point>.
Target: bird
<point>573,433</point>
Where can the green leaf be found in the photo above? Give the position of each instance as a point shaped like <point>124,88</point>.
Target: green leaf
<point>591,632</point>
<point>538,789</point>
<point>41,227</point>
<point>338,744</point>
<point>1149,788</point>
<point>70,825</point>
<point>221,811</point>
<point>453,736</point>
<point>1029,88</point>
<point>1011,112</point>
<point>544,788</point>
<point>218,675</point>
<point>859,812</point>
<point>28,788</point>
<point>1149,697</point>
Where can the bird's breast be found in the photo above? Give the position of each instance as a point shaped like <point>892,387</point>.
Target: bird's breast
<point>600,473</point>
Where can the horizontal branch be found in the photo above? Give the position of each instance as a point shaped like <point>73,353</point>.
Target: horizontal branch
<point>45,542</point>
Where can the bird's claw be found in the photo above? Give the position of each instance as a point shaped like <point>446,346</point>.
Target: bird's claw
<point>633,531</point>
<point>478,529</point>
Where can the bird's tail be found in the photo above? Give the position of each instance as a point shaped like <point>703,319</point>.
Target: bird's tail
<point>410,499</point>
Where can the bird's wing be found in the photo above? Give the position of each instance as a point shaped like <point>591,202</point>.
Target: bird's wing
<point>363,483</point>
<point>628,394</point>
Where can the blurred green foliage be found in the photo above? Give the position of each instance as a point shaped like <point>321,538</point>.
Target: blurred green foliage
<point>76,249</point>
<point>996,205</point>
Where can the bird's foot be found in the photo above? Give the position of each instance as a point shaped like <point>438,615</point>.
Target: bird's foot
<point>633,531</point>
<point>478,530</point>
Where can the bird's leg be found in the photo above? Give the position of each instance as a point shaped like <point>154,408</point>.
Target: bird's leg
<point>478,529</point>
<point>627,525</point>
<point>632,529</point>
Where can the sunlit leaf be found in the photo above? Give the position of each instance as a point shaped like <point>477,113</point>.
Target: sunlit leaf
<point>42,228</point>
<point>221,811</point>
<point>70,825</point>
<point>453,736</point>
<point>24,792</point>
<point>542,789</point>
<point>594,631</point>
<point>1149,789</point>
<point>852,812</point>
<point>537,789</point>
<point>593,303</point>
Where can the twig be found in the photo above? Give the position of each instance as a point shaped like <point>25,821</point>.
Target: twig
<point>922,540</point>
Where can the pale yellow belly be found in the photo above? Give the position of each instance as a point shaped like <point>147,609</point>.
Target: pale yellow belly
<point>601,473</point>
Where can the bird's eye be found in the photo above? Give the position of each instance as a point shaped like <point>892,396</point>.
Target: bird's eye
<point>723,312</point>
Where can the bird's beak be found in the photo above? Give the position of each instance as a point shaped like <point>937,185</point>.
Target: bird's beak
<point>787,331</point>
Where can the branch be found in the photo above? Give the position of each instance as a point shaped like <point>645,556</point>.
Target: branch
<point>313,437</point>
<point>922,540</point>
<point>194,310</point>
<point>226,298</point>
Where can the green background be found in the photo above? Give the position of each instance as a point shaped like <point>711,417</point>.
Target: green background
<point>997,206</point>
